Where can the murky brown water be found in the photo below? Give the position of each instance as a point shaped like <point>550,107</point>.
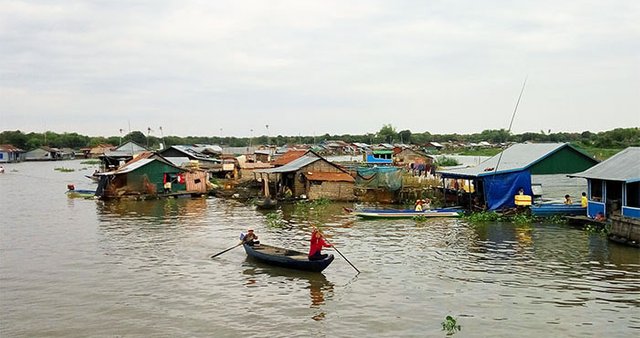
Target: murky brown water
<point>74,267</point>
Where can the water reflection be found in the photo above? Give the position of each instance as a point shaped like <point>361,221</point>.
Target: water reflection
<point>159,209</point>
<point>320,288</point>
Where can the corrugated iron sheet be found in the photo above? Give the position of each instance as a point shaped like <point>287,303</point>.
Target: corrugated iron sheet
<point>288,157</point>
<point>623,166</point>
<point>330,177</point>
<point>515,158</point>
<point>294,165</point>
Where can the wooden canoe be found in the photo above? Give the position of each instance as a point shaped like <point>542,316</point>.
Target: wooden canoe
<point>286,258</point>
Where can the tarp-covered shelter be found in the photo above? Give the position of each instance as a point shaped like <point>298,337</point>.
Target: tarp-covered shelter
<point>614,185</point>
<point>498,179</point>
<point>310,176</point>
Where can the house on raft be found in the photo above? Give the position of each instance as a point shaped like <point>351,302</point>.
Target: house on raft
<point>309,176</point>
<point>145,177</point>
<point>10,153</point>
<point>493,184</point>
<point>613,189</point>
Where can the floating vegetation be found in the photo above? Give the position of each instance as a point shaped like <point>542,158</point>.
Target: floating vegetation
<point>90,162</point>
<point>522,219</point>
<point>64,170</point>
<point>274,219</point>
<point>596,229</point>
<point>483,217</point>
<point>451,325</point>
<point>420,218</point>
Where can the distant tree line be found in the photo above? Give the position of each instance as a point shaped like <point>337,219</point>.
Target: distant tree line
<point>613,139</point>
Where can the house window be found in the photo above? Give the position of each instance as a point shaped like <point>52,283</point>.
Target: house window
<point>633,195</point>
<point>596,190</point>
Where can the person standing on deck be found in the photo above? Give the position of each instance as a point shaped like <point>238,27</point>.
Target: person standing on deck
<point>583,200</point>
<point>317,243</point>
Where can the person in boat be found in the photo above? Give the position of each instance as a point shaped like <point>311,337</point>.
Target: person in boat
<point>426,204</point>
<point>567,200</point>
<point>418,206</point>
<point>317,243</point>
<point>1,169</point>
<point>167,187</point>
<point>583,200</point>
<point>250,238</point>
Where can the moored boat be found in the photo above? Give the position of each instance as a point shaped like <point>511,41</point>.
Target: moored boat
<point>406,213</point>
<point>81,193</point>
<point>553,209</point>
<point>286,258</point>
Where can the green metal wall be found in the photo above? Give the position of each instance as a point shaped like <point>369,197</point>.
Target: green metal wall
<point>564,161</point>
<point>155,173</point>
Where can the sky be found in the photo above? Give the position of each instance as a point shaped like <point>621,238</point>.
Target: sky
<point>249,68</point>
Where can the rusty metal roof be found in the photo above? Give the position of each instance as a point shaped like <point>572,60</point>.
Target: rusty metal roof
<point>10,148</point>
<point>330,177</point>
<point>288,157</point>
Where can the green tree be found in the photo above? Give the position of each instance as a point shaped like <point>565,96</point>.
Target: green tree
<point>387,133</point>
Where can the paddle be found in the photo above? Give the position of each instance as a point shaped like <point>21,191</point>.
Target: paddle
<point>338,251</point>
<point>221,252</point>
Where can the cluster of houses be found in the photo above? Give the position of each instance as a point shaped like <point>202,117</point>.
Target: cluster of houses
<point>344,171</point>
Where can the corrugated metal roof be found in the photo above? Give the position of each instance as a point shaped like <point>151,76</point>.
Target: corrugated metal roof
<point>623,166</point>
<point>288,157</point>
<point>330,177</point>
<point>517,157</point>
<point>294,165</point>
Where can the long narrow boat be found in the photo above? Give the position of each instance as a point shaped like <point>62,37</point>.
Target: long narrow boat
<point>80,193</point>
<point>286,258</point>
<point>552,209</point>
<point>406,213</point>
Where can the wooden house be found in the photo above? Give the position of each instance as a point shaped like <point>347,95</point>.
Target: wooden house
<point>9,153</point>
<point>496,180</point>
<point>309,176</point>
<point>408,156</point>
<point>145,177</point>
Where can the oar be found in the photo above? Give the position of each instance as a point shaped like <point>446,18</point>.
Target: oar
<point>338,251</point>
<point>221,252</point>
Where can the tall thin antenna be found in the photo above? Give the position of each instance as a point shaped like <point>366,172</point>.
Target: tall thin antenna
<point>512,118</point>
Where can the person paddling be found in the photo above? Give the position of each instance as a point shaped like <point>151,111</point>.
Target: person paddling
<point>317,243</point>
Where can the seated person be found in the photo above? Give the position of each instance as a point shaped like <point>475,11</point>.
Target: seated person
<point>600,217</point>
<point>418,206</point>
<point>250,238</point>
<point>567,199</point>
<point>317,243</point>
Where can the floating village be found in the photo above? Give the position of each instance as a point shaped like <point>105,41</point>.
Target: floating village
<point>381,180</point>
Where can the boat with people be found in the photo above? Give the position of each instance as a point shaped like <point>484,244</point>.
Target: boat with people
<point>557,209</point>
<point>286,258</point>
<point>72,192</point>
<point>407,213</point>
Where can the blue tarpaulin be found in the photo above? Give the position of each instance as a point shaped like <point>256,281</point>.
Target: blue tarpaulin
<point>500,190</point>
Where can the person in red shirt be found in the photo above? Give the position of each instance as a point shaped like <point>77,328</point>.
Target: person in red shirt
<point>317,243</point>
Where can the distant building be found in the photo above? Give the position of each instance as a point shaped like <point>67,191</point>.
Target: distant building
<point>9,153</point>
<point>44,154</point>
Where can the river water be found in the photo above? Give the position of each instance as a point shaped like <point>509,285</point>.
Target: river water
<point>84,268</point>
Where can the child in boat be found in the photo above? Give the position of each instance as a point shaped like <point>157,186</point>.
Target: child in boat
<point>418,205</point>
<point>583,200</point>
<point>250,238</point>
<point>567,199</point>
<point>317,243</point>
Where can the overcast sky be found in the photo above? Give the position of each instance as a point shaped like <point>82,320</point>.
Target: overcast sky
<point>230,68</point>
